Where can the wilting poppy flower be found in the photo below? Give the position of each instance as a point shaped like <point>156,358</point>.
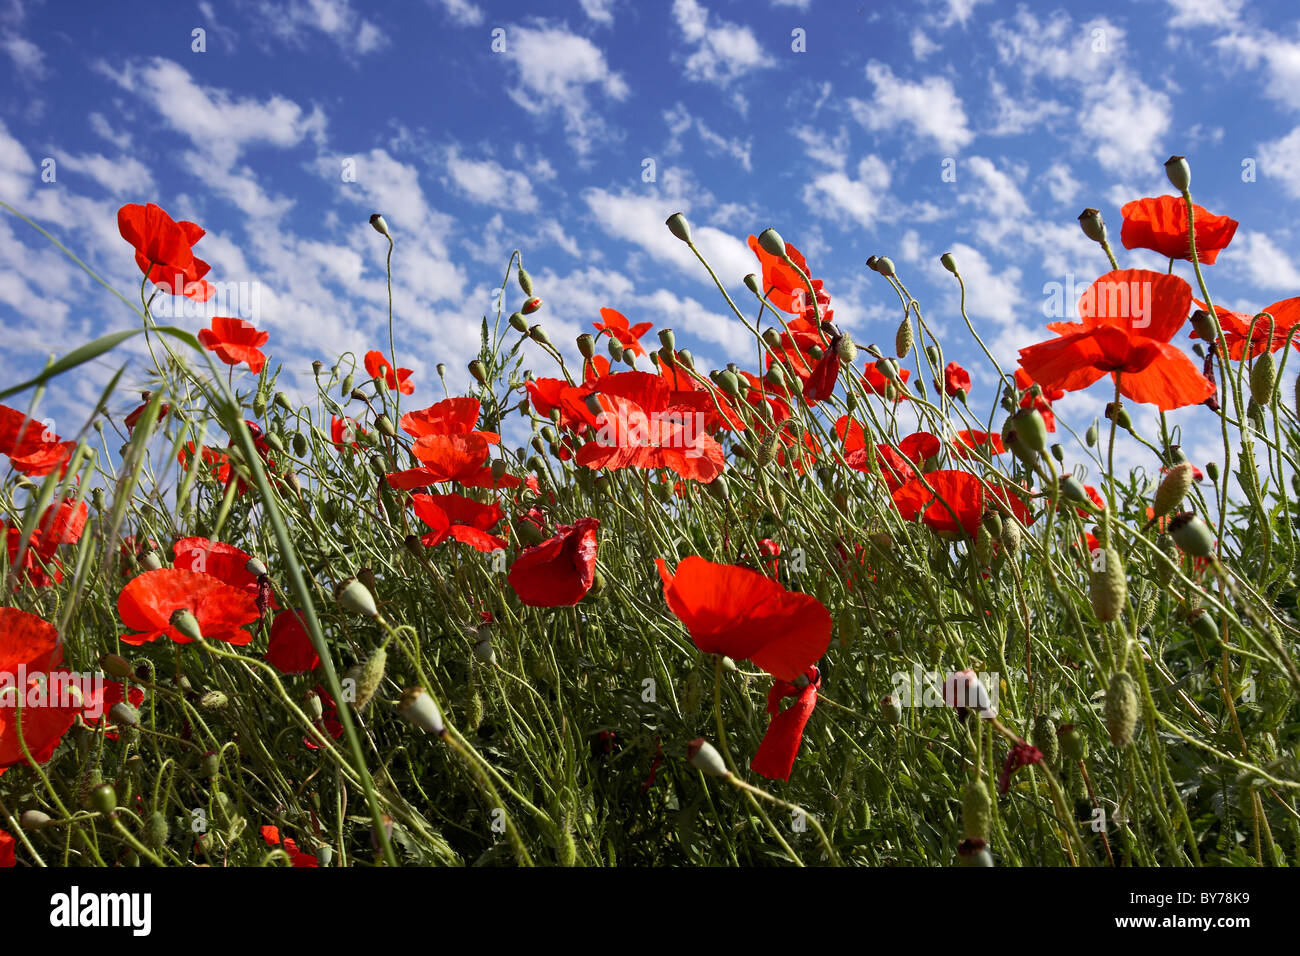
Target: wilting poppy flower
<point>290,650</point>
<point>379,367</point>
<point>50,700</point>
<point>164,250</point>
<point>32,448</point>
<point>558,572</point>
<point>775,755</point>
<point>271,835</point>
<point>747,616</point>
<point>957,503</point>
<point>138,413</point>
<point>645,424</point>
<point>875,382</point>
<point>1129,316</point>
<point>615,325</point>
<point>328,723</point>
<point>148,602</point>
<point>1020,755</point>
<point>1160,224</point>
<point>455,516</point>
<point>235,341</point>
<point>955,380</point>
<point>7,856</point>
<point>1237,329</point>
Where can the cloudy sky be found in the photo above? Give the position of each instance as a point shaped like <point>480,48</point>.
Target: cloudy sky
<point>571,128</point>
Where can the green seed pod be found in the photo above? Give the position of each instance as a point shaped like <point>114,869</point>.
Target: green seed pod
<point>772,243</point>
<point>478,371</point>
<point>209,765</point>
<point>679,227</point>
<point>903,339</point>
<point>1044,738</point>
<point>124,715</point>
<point>1093,226</point>
<point>419,708</point>
<point>104,798</point>
<point>518,322</point>
<point>885,266</point>
<point>1073,489</point>
<point>703,756</point>
<point>776,376</point>
<point>155,830</point>
<point>1146,605</point>
<point>1204,626</point>
<point>984,546</point>
<point>33,820</point>
<point>719,488</point>
<point>356,597</point>
<point>1030,428</point>
<point>346,389</point>
<point>1263,379</point>
<point>948,262</point>
<point>1173,489</point>
<point>214,700</point>
<point>1212,468</point>
<point>1119,415</point>
<point>1107,586</point>
<point>184,621</point>
<point>1121,709</point>
<point>300,445</point>
<point>891,710</point>
<point>116,666</point>
<point>976,810</point>
<point>1073,742</point>
<point>1192,535</point>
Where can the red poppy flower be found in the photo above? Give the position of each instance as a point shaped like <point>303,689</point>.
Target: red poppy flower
<point>955,379</point>
<point>455,516</point>
<point>379,367</point>
<point>111,692</point>
<point>775,755</point>
<point>35,569</point>
<point>875,382</point>
<point>644,424</point>
<point>271,835</point>
<point>222,561</point>
<point>747,616</point>
<point>451,416</point>
<point>444,458</point>
<point>344,431</point>
<point>1160,224</point>
<point>1237,328</point>
<point>212,458</point>
<point>773,550</point>
<point>148,602</point>
<point>558,572</point>
<point>1038,398</point>
<point>32,448</point>
<point>132,419</point>
<point>62,523</point>
<point>595,367</point>
<point>164,250</point>
<point>615,325</point>
<point>958,502</point>
<point>1020,755</point>
<point>965,442</point>
<point>235,341</point>
<point>1129,316</point>
<point>1024,382</point>
<point>7,856</point>
<point>290,650</point>
<point>896,467</point>
<point>328,723</point>
<point>31,675</point>
<point>783,285</point>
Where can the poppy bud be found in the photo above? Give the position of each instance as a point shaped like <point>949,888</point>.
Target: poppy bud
<point>1093,226</point>
<point>751,283</point>
<point>1205,325</point>
<point>314,706</point>
<point>531,306</point>
<point>1212,471</point>
<point>124,715</point>
<point>1073,743</point>
<point>183,620</point>
<point>538,334</point>
<point>1116,413</point>
<point>104,798</point>
<point>1107,585</point>
<point>949,262</point>
<point>419,708</point>
<point>615,349</point>
<point>888,368</point>
<point>380,225</point>
<point>984,546</point>
<point>976,810</point>
<point>368,677</point>
<point>679,227</point>
<point>767,451</point>
<point>719,488</point>
<point>115,666</point>
<point>903,339</point>
<point>525,282</point>
<point>1044,738</point>
<point>1173,489</point>
<point>772,243</point>
<point>1263,379</point>
<point>209,765</point>
<point>316,366</point>
<point>1030,428</point>
<point>1192,535</point>
<point>1090,436</point>
<point>1179,173</point>
<point>478,371</point>
<point>347,384</point>
<point>1121,709</point>
<point>214,700</point>
<point>1203,625</point>
<point>586,345</point>
<point>32,820</point>
<point>703,756</point>
<point>1165,545</point>
<point>518,322</point>
<point>1073,489</point>
<point>1011,537</point>
<point>356,597</point>
<point>155,829</point>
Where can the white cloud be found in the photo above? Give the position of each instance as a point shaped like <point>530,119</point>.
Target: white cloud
<point>850,201</point>
<point>1277,161</point>
<point>123,174</point>
<point>290,21</point>
<point>922,45</point>
<point>556,69</point>
<point>1198,13</point>
<point>997,200</point>
<point>486,181</point>
<point>1280,59</point>
<point>463,12</point>
<point>723,50</point>
<point>599,11</point>
<point>958,12</point>
<point>1061,183</point>
<point>1263,264</point>
<point>930,108</point>
<point>1128,120</point>
<point>27,57</point>
<point>686,316</point>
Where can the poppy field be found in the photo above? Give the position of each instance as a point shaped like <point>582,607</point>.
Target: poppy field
<point>606,607</point>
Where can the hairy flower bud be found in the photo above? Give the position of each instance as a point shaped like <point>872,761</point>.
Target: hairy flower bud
<point>1121,709</point>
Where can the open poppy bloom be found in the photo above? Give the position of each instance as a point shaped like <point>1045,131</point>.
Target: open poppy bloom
<point>47,701</point>
<point>149,601</point>
<point>957,504</point>
<point>644,424</point>
<point>222,561</point>
<point>560,571</point>
<point>746,615</point>
<point>395,378</point>
<point>775,755</point>
<point>235,341</point>
<point>875,382</point>
<point>7,855</point>
<point>290,650</point>
<point>1129,316</point>
<point>1237,331</point>
<point>32,448</point>
<point>271,835</point>
<point>615,325</point>
<point>1160,224</point>
<point>988,444</point>
<point>896,467</point>
<point>62,523</point>
<point>782,285</point>
<point>451,416</point>
<point>164,250</point>
<point>956,380</point>
<point>344,432</point>
<point>461,518</point>
<point>459,458</point>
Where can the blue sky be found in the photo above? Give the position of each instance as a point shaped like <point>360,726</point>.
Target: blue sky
<point>1038,109</point>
